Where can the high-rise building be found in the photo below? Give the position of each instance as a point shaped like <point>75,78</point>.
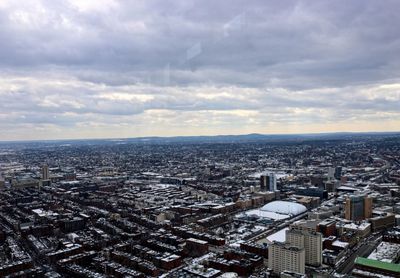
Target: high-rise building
<point>368,207</point>
<point>264,181</point>
<point>268,182</point>
<point>272,182</point>
<point>338,172</point>
<point>331,173</point>
<point>45,172</point>
<point>309,240</point>
<point>2,181</point>
<point>358,207</point>
<point>285,257</point>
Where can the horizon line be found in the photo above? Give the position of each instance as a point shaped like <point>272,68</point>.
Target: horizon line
<point>188,136</point>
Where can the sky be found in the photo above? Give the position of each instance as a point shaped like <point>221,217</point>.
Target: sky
<point>115,69</point>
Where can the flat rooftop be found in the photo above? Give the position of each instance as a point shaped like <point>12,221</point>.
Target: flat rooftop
<point>378,264</point>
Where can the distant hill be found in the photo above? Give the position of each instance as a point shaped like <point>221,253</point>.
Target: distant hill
<point>253,137</point>
<point>265,137</point>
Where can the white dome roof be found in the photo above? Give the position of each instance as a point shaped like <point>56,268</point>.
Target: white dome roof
<point>284,207</point>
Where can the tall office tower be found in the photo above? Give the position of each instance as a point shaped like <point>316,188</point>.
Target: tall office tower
<point>282,256</point>
<point>272,182</point>
<point>367,207</point>
<point>268,182</point>
<point>2,181</point>
<point>331,173</point>
<point>309,240</point>
<point>264,180</point>
<point>338,172</point>
<point>358,207</point>
<point>45,172</point>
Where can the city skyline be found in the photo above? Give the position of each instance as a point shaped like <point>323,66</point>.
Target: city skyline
<point>111,69</point>
<point>305,206</point>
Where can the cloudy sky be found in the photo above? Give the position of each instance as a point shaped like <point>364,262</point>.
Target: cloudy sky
<point>108,68</point>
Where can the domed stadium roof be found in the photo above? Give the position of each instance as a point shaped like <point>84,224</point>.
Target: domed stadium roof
<point>284,207</point>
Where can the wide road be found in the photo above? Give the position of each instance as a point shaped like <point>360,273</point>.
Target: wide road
<point>364,250</point>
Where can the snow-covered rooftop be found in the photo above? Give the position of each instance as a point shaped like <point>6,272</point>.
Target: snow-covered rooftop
<point>267,214</point>
<point>386,252</point>
<point>279,236</point>
<point>283,207</point>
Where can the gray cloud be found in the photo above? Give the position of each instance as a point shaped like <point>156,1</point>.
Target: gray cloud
<point>249,64</point>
